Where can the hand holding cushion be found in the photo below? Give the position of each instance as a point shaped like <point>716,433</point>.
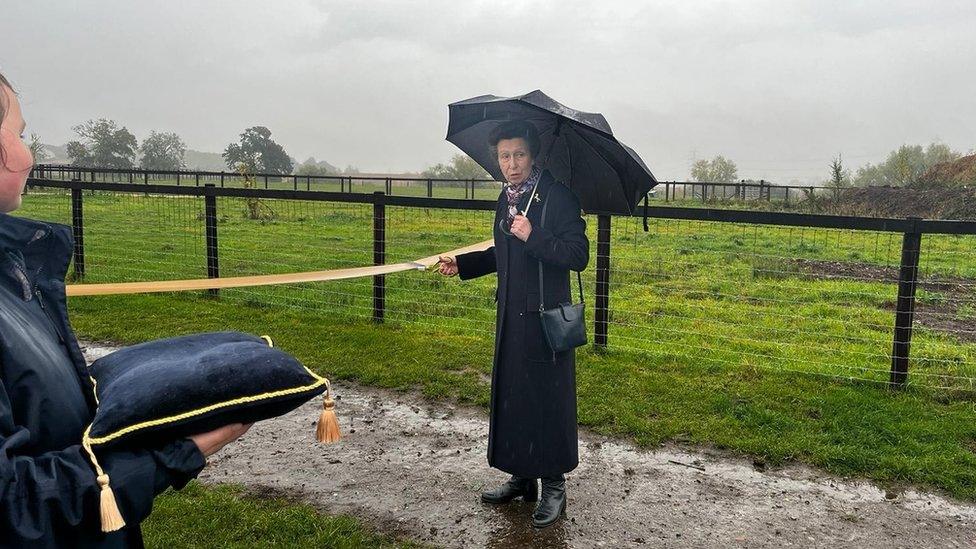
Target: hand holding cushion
<point>211,442</point>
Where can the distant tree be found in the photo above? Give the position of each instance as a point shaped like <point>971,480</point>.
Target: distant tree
<point>701,170</point>
<point>103,144</point>
<point>438,171</point>
<point>839,175</point>
<point>905,165</point>
<point>163,151</point>
<point>254,208</point>
<point>314,168</point>
<point>79,154</point>
<point>462,166</point>
<point>351,170</point>
<point>466,168</point>
<point>937,153</point>
<point>37,150</point>
<point>716,170</point>
<point>256,149</point>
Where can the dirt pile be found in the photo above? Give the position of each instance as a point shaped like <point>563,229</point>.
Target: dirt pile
<point>959,172</point>
<point>931,203</point>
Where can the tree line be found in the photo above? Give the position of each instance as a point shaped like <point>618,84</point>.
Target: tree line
<point>914,166</point>
<point>104,143</point>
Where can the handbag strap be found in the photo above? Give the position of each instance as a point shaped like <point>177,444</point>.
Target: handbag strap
<point>579,277</point>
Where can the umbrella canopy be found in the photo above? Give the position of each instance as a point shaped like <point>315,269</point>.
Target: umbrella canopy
<point>578,148</point>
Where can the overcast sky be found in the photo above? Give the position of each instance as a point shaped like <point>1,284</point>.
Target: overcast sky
<point>780,87</point>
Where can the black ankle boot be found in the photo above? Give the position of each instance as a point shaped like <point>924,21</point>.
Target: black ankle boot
<point>553,502</point>
<point>525,488</point>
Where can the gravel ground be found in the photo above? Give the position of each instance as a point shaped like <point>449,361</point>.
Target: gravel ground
<point>414,468</point>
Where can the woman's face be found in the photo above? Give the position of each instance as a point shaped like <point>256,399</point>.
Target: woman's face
<point>515,160</point>
<point>18,164</point>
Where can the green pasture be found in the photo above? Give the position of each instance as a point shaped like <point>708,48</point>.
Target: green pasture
<point>767,341</point>
<point>229,517</point>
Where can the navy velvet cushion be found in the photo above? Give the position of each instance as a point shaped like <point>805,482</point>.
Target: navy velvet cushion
<point>171,388</point>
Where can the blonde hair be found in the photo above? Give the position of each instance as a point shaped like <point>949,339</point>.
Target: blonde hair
<point>4,83</point>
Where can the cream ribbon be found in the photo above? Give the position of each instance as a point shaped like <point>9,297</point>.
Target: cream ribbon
<point>265,280</point>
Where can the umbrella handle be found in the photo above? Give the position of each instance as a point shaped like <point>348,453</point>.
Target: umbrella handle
<point>531,197</point>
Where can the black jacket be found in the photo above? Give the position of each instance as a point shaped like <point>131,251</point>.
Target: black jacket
<point>532,424</point>
<point>48,493</point>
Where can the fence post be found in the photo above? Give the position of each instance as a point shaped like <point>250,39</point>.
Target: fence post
<point>907,282</point>
<point>295,183</point>
<point>601,315</point>
<point>430,188</point>
<point>379,254</point>
<point>78,231</point>
<point>210,218</point>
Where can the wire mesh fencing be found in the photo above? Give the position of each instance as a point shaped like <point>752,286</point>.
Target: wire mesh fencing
<point>807,300</point>
<point>792,299</point>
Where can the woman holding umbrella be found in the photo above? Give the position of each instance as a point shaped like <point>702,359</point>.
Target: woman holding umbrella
<point>532,427</point>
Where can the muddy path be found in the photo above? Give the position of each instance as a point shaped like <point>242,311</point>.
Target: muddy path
<point>414,468</point>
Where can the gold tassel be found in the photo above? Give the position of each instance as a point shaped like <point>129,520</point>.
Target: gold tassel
<point>111,517</point>
<point>109,509</point>
<point>328,427</point>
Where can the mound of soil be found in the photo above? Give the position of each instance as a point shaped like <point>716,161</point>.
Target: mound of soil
<point>933,203</point>
<point>956,173</point>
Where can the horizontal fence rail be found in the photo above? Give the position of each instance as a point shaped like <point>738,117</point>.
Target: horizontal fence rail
<point>668,191</point>
<point>875,299</point>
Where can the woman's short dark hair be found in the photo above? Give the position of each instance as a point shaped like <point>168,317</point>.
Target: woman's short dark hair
<point>514,129</point>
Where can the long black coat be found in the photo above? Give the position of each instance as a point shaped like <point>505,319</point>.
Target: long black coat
<point>48,493</point>
<point>532,427</point>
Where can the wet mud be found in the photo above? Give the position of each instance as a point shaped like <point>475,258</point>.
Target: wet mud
<point>414,468</point>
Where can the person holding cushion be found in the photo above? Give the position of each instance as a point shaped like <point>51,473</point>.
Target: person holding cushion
<point>49,495</point>
<point>532,426</point>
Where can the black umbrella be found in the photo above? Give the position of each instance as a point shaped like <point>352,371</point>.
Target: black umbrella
<point>578,148</point>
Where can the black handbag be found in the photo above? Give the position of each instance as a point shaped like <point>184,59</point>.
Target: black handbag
<point>564,325</point>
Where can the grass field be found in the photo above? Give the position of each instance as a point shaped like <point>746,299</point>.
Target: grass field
<point>228,517</point>
<point>771,342</point>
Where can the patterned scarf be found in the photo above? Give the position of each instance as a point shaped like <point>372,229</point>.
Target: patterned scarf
<point>514,193</point>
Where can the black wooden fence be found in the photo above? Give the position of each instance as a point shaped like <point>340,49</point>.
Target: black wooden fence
<point>668,191</point>
<point>912,228</point>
